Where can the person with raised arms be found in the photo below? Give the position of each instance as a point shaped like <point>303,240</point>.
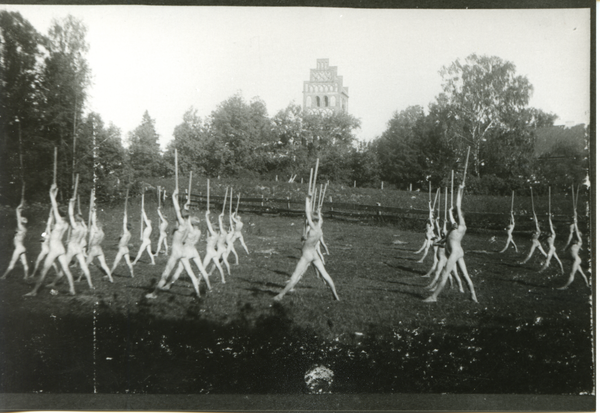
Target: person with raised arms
<point>145,237</point>
<point>123,250</point>
<point>454,250</point>
<point>442,258</point>
<point>574,248</point>
<point>45,241</point>
<point>535,236</point>
<point>178,251</point>
<point>57,249</point>
<point>221,247</point>
<point>19,252</point>
<point>550,240</point>
<point>164,224</point>
<point>95,249</point>
<point>190,251</point>
<point>510,228</point>
<point>74,245</point>
<point>309,255</point>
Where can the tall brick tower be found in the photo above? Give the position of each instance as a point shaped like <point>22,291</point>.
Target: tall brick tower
<point>325,92</point>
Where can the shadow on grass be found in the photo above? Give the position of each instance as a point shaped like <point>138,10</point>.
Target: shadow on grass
<point>145,349</point>
<point>404,268</point>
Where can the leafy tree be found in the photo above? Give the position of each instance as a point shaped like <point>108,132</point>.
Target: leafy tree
<point>482,93</point>
<point>240,136</point>
<point>190,140</point>
<point>102,161</point>
<point>144,150</point>
<point>398,150</point>
<point>65,78</point>
<point>563,155</point>
<point>366,171</point>
<point>20,97</point>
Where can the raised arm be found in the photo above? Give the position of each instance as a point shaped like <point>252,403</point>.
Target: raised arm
<point>160,215</point>
<point>146,220</point>
<point>72,211</point>
<point>308,211</point>
<point>577,234</point>
<point>451,216</point>
<point>176,206</point>
<point>53,192</point>
<point>221,226</point>
<point>551,226</point>
<point>19,223</point>
<point>459,197</point>
<point>208,224</point>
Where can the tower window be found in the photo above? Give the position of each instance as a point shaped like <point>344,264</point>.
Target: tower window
<point>326,101</point>
<point>318,101</point>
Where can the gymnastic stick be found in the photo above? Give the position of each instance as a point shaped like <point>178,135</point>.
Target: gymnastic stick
<point>577,197</point>
<point>430,194</point>
<point>452,190</point>
<point>440,202</point>
<point>208,194</point>
<point>435,199</point>
<point>22,192</point>
<point>466,164</point>
<point>573,197</point>
<point>238,204</point>
<point>314,186</point>
<point>189,200</point>
<point>445,206</point>
<point>310,182</point>
<point>549,200</point>
<point>126,199</point>
<point>158,192</point>
<point>90,212</point>
<point>225,200</point>
<point>142,219</point>
<point>532,206</point>
<point>176,171</point>
<point>55,156</point>
<point>76,185</point>
<point>79,204</point>
<point>512,202</point>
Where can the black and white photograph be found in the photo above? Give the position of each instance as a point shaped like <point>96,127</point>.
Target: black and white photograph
<point>297,207</point>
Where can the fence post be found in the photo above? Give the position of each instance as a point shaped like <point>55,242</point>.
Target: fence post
<point>381,184</point>
<point>410,188</point>
<point>276,178</point>
<point>262,200</point>
<point>288,202</point>
<point>355,184</point>
<point>331,202</point>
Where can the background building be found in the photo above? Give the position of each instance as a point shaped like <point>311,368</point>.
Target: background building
<point>325,92</point>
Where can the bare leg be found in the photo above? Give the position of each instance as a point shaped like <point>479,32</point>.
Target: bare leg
<point>102,260</point>
<point>427,245</point>
<point>25,266</point>
<point>39,260</point>
<point>562,270</point>
<point>507,244</point>
<point>161,239</point>
<point>237,260</point>
<point>422,247</point>
<point>444,278</point>
<point>244,244</point>
<point>202,271</point>
<point>145,246</point>
<point>514,245</point>
<point>173,260</point>
<point>454,275</point>
<point>435,261</point>
<point>45,268</point>
<point>85,269</point>
<point>326,277</point>
<point>149,250</point>
<point>13,260</point>
<point>65,266</point>
<point>533,247</point>
<point>298,273</point>
<point>463,268</point>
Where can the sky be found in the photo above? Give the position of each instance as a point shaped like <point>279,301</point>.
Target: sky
<point>167,59</point>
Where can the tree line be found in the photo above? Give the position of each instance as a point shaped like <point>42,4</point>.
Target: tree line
<point>484,105</point>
